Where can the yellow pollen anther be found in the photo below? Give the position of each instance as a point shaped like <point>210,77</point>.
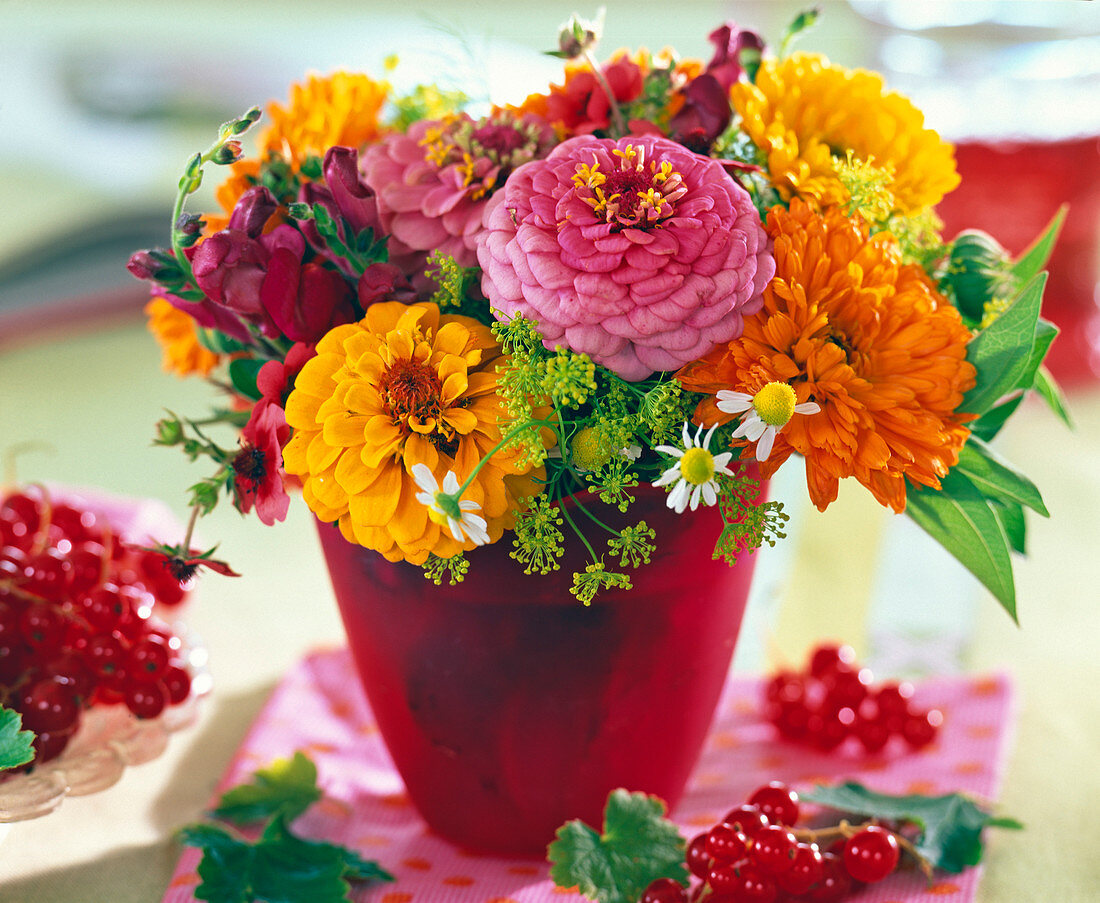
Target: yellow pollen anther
<point>697,466</point>
<point>775,403</point>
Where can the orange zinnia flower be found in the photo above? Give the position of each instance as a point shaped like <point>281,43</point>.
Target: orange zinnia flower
<point>175,333</point>
<point>405,385</point>
<point>868,338</point>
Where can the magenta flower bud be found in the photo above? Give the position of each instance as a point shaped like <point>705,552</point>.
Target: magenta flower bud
<point>353,198</point>
<point>729,42</point>
<point>252,211</point>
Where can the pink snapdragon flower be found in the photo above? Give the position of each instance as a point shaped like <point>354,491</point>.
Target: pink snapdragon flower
<point>432,183</point>
<point>637,252</point>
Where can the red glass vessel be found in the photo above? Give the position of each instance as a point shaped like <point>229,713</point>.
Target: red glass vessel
<point>509,707</point>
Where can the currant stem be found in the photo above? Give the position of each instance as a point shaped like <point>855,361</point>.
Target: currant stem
<point>846,830</point>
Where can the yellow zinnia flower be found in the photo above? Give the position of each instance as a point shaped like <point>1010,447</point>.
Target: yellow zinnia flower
<point>404,386</point>
<point>175,333</point>
<point>803,109</point>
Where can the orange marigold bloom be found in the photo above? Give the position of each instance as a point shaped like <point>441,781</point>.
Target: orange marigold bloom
<point>403,386</point>
<point>324,111</point>
<point>801,109</point>
<point>175,333</point>
<point>868,338</point>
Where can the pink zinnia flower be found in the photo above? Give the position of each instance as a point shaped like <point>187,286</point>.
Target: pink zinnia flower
<point>432,182</point>
<point>637,252</point>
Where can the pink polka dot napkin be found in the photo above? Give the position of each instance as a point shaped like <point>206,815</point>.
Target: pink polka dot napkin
<point>318,708</point>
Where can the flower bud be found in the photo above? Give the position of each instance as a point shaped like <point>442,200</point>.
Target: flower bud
<point>578,36</point>
<point>169,431</point>
<point>230,152</point>
<point>156,264</point>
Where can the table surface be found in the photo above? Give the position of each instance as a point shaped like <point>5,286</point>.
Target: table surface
<point>87,390</point>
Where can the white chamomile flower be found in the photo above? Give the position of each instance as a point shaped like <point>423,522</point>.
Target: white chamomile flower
<point>769,410</point>
<point>446,509</point>
<point>695,471</point>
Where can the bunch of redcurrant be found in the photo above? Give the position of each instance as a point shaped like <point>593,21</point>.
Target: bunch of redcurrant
<point>756,855</point>
<point>77,623</point>
<point>835,700</point>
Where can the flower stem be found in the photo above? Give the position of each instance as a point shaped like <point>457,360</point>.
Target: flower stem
<point>613,105</point>
<point>515,431</point>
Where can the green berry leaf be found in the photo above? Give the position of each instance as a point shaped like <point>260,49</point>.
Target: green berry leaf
<point>638,845</point>
<point>16,745</point>
<point>950,826</point>
<point>286,787</point>
<point>1035,257</point>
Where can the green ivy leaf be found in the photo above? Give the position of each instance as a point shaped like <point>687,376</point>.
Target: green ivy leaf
<point>243,372</point>
<point>1001,352</point>
<point>286,787</point>
<point>960,518</point>
<point>995,478</point>
<point>637,846</point>
<point>950,825</point>
<point>1035,257</point>
<point>16,745</point>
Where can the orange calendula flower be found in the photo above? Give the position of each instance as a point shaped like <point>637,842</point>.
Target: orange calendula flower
<point>324,111</point>
<point>404,386</point>
<point>802,109</point>
<point>175,333</point>
<point>850,327</point>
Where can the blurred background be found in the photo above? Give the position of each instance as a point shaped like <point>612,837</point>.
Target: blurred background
<point>100,107</point>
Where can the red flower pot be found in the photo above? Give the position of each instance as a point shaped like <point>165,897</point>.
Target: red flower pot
<point>508,707</point>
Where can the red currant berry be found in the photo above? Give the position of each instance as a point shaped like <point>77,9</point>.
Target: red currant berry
<point>805,871</point>
<point>792,721</point>
<point>829,659</point>
<point>920,728</point>
<point>773,849</point>
<point>43,627</point>
<point>146,700</point>
<point>871,855</point>
<point>148,660</point>
<point>846,688</point>
<point>872,733</point>
<point>48,745</point>
<point>47,575</point>
<point>664,890</point>
<point>698,860</point>
<point>893,697</point>
<point>746,819</point>
<point>826,730</point>
<point>49,706</point>
<point>753,886</point>
<point>177,682</point>
<point>778,803</point>
<point>835,883</point>
<point>726,843</point>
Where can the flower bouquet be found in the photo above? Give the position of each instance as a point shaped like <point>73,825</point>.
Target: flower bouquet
<point>581,330</point>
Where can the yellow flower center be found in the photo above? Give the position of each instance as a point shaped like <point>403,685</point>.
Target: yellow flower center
<point>636,194</point>
<point>697,466</point>
<point>586,450</point>
<point>775,404</point>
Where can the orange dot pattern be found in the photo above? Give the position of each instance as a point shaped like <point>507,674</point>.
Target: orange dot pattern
<point>366,806</point>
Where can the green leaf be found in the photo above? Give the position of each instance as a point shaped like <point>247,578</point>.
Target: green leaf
<point>951,825</point>
<point>1045,333</point>
<point>16,745</point>
<point>960,518</point>
<point>995,478</point>
<point>989,424</point>
<point>637,846</point>
<point>1052,394</point>
<point>1032,261</point>
<point>286,787</point>
<point>1001,352</point>
<point>1015,526</point>
<point>226,864</point>
<point>243,372</point>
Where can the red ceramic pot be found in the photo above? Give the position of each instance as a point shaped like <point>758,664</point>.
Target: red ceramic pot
<point>509,708</point>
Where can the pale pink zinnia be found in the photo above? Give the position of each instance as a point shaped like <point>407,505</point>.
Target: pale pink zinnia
<point>432,182</point>
<point>637,252</point>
